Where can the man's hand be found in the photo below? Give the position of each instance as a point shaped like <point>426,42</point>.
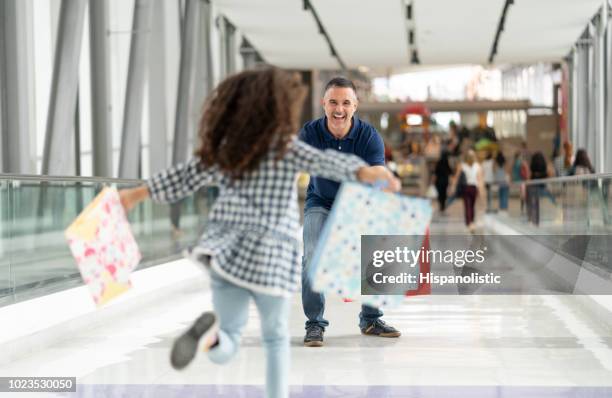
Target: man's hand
<point>132,196</point>
<point>374,174</point>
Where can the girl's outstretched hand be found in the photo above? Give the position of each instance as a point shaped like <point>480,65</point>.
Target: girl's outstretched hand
<point>132,196</point>
<point>375,174</point>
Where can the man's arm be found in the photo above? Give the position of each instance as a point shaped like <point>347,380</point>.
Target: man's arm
<point>337,166</point>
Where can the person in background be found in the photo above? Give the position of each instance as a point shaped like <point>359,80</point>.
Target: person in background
<point>249,149</point>
<point>538,170</point>
<point>520,173</point>
<point>489,179</point>
<point>525,153</point>
<point>441,176</point>
<point>473,180</point>
<point>563,161</point>
<point>582,164</point>
<point>501,179</point>
<point>452,143</point>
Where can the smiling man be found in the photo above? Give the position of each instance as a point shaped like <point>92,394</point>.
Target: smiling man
<point>339,130</point>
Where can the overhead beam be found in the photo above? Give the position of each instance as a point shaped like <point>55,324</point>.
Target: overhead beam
<point>500,29</point>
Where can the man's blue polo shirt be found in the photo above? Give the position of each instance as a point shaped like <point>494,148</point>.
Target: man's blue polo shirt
<point>362,140</point>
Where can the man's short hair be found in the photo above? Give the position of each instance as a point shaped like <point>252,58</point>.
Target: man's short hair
<point>341,82</point>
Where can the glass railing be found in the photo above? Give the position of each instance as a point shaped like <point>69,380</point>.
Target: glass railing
<point>574,204</point>
<point>569,214</point>
<point>35,210</point>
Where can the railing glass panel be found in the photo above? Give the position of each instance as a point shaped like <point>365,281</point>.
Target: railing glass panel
<point>569,214</point>
<point>34,256</point>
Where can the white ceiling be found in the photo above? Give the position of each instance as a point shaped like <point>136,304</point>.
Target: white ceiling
<point>456,32</point>
<point>373,33</point>
<point>370,32</point>
<point>283,33</point>
<point>544,30</point>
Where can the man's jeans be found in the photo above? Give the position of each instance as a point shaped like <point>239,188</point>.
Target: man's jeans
<point>314,302</point>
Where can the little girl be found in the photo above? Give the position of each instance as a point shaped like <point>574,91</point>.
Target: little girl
<point>250,151</point>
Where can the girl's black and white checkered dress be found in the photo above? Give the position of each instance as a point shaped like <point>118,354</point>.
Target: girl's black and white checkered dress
<point>252,235</point>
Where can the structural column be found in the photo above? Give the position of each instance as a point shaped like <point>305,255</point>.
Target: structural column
<point>204,68</point>
<point>591,135</point>
<point>230,39</point>
<point>64,87</point>
<point>608,89</point>
<point>250,56</point>
<point>15,84</point>
<point>186,86</point>
<point>221,28</point>
<point>574,87</point>
<point>600,91</point>
<point>582,97</point>
<point>158,121</point>
<point>101,104</point>
<point>129,157</point>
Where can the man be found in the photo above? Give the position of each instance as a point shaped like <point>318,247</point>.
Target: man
<point>342,131</point>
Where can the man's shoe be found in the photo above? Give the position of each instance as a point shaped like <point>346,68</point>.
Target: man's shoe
<point>186,346</point>
<point>314,336</point>
<point>380,328</point>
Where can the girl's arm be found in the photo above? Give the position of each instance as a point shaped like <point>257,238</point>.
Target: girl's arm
<point>132,196</point>
<point>179,181</point>
<point>171,184</point>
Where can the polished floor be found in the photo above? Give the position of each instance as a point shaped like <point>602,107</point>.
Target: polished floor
<point>512,346</point>
<point>452,346</point>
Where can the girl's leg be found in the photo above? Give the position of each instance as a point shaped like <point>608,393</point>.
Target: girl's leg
<point>231,304</point>
<point>274,315</point>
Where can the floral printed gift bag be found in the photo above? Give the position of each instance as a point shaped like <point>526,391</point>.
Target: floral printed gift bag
<point>103,246</point>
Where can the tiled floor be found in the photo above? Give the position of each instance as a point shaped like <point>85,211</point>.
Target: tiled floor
<point>452,346</point>
<point>474,344</point>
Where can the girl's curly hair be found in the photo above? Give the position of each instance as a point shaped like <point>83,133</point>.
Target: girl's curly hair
<point>248,115</point>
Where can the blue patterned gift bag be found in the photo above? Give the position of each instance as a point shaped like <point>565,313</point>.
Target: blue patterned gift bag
<point>362,210</point>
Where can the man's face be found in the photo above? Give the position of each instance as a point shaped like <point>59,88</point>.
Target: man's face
<point>339,103</point>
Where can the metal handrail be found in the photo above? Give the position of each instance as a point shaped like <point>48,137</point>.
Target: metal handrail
<point>552,180</point>
<point>35,177</point>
